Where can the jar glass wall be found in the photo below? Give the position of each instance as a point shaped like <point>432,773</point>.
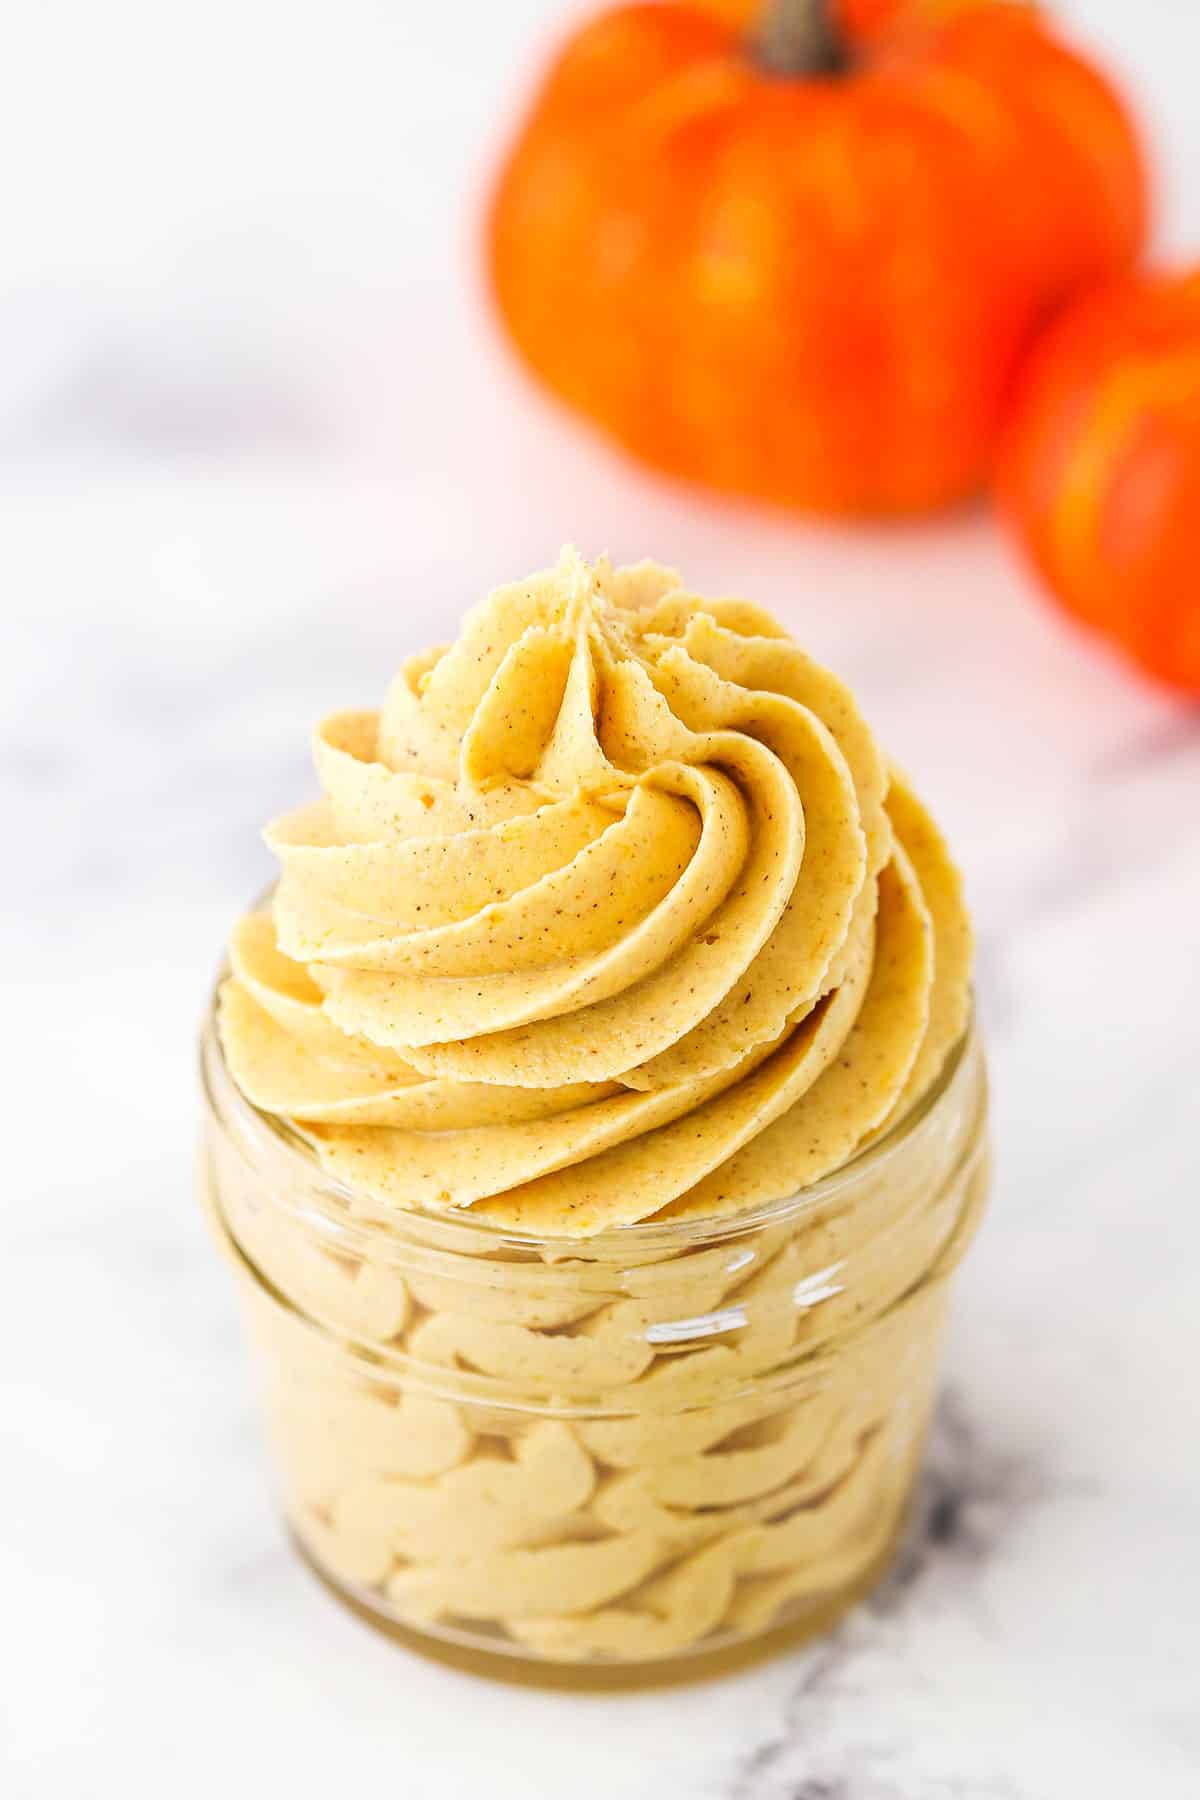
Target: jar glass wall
<point>612,1452</point>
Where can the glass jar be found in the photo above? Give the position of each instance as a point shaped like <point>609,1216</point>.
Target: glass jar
<point>611,1454</point>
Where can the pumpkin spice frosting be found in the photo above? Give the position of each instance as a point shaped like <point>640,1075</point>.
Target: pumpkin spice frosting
<point>615,912</point>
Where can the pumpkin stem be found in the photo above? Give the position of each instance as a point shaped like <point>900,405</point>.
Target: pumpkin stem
<point>800,37</point>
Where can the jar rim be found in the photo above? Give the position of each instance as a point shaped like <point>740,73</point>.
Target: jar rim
<point>228,1104</point>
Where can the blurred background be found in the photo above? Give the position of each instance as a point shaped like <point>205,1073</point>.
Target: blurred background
<point>259,438</point>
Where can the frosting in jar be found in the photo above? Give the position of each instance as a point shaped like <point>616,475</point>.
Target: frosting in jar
<point>615,912</point>
<point>615,915</point>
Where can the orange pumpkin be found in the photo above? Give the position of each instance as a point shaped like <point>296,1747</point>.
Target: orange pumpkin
<point>787,275</point>
<point>1100,469</point>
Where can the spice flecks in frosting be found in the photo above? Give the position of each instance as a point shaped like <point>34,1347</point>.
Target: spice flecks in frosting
<point>609,913</point>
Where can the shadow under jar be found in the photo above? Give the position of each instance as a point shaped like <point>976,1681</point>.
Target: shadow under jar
<point>623,1455</point>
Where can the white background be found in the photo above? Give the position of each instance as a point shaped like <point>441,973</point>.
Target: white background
<point>257,440</point>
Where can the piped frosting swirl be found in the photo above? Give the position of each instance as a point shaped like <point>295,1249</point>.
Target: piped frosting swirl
<point>614,912</point>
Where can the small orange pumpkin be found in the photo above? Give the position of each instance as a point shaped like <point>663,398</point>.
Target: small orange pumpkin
<point>1100,469</point>
<point>787,274</point>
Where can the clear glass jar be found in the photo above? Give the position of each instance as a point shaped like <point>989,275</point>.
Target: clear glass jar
<point>607,1455</point>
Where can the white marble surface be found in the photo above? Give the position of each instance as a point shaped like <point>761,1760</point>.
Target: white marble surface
<point>256,441</point>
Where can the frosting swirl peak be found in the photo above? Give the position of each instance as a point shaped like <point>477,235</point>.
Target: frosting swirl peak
<point>615,911</point>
